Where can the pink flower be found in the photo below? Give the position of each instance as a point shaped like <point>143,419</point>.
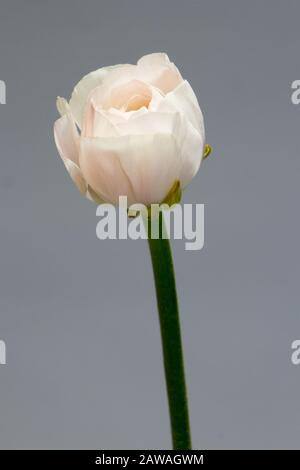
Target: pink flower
<point>141,131</point>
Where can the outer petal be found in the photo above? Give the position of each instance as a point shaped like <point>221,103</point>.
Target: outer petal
<point>190,141</point>
<point>192,146</point>
<point>152,163</point>
<point>62,106</point>
<point>143,167</point>
<point>183,99</point>
<point>83,89</point>
<point>67,138</point>
<point>76,175</point>
<point>159,58</point>
<point>67,142</point>
<point>96,123</point>
<point>101,167</point>
<point>157,69</point>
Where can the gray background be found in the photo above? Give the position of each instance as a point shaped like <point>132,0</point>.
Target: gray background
<point>79,315</point>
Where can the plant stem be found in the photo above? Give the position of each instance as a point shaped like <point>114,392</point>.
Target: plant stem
<point>164,277</point>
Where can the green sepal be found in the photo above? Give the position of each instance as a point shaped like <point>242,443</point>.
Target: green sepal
<point>207,151</point>
<point>97,199</point>
<point>174,195</point>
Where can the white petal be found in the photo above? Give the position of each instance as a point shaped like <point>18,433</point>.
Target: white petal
<point>67,138</point>
<point>83,89</point>
<point>93,127</point>
<point>159,71</point>
<point>184,100</point>
<point>76,175</point>
<point>116,116</point>
<point>150,123</point>
<point>119,87</point>
<point>192,146</point>
<point>154,58</point>
<point>151,162</point>
<point>103,126</point>
<point>189,141</point>
<point>67,142</point>
<point>101,122</point>
<point>96,123</point>
<point>62,106</point>
<point>103,171</point>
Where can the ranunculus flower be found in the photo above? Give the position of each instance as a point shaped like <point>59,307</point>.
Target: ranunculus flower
<point>131,130</point>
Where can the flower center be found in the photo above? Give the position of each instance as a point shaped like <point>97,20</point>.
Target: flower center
<point>131,96</point>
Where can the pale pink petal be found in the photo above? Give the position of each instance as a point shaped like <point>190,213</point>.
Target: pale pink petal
<point>189,141</point>
<point>67,142</point>
<point>96,123</point>
<point>62,106</point>
<point>159,71</point>
<point>85,86</point>
<point>150,123</point>
<point>192,146</point>
<point>103,171</point>
<point>117,117</point>
<point>183,99</point>
<point>104,123</point>
<point>142,167</point>
<point>129,95</point>
<point>152,163</point>
<point>116,77</point>
<point>125,102</point>
<point>76,175</point>
<point>67,138</point>
<point>160,58</point>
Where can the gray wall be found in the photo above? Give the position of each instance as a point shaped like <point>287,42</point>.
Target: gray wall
<point>78,315</point>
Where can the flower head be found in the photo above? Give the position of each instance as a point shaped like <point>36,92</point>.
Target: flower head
<point>131,130</point>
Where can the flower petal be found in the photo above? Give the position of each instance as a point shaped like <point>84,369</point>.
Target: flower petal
<point>67,142</point>
<point>117,117</point>
<point>96,122</point>
<point>142,167</point>
<point>183,99</point>
<point>150,123</point>
<point>189,141</point>
<point>157,69</point>
<point>152,163</point>
<point>100,120</point>
<point>62,106</point>
<point>160,58</point>
<point>192,146</point>
<point>67,138</point>
<point>101,167</point>
<point>83,89</point>
<point>76,175</point>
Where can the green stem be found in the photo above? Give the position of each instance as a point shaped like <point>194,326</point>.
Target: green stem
<point>164,277</point>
